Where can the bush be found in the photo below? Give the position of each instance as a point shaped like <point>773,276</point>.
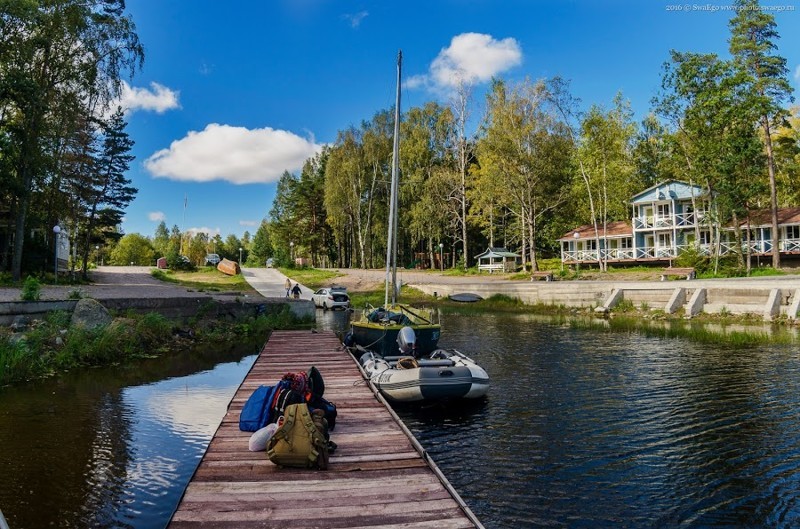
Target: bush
<point>691,257</point>
<point>31,289</point>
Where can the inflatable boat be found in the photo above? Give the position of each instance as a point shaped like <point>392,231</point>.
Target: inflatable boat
<point>444,374</point>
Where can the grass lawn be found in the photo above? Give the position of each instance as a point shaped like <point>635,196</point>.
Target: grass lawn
<point>205,279</point>
<point>310,277</point>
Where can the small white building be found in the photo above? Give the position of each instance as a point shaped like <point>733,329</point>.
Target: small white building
<point>498,259</point>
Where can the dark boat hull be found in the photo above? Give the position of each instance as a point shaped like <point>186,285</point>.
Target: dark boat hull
<point>382,339</point>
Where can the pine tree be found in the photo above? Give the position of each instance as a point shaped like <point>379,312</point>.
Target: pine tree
<point>765,79</point>
<point>110,191</point>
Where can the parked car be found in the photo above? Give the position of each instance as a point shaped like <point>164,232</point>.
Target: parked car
<point>212,259</point>
<point>331,298</point>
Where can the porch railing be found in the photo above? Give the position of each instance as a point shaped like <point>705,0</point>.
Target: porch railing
<point>671,252</point>
<point>679,220</point>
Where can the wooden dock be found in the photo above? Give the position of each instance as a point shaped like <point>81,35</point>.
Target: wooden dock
<point>378,476</point>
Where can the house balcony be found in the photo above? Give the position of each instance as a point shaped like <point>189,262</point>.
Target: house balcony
<point>655,222</point>
<point>612,254</point>
<point>671,252</point>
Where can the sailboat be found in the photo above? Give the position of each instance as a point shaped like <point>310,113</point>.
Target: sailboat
<point>397,344</point>
<point>377,328</point>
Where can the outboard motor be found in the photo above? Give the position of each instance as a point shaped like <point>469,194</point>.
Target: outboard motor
<point>407,341</point>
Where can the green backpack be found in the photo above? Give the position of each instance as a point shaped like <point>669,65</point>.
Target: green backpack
<point>298,442</point>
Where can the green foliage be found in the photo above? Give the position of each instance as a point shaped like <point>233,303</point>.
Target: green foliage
<point>133,248</point>
<point>261,249</point>
<point>46,349</point>
<point>625,305</point>
<point>31,289</point>
<point>690,257</point>
<point>179,262</point>
<point>75,293</point>
<point>58,60</point>
<point>153,327</point>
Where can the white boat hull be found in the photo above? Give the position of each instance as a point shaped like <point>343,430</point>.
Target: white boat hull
<point>445,375</point>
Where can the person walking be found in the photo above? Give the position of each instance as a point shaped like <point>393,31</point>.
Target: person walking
<point>296,291</point>
<point>288,286</point>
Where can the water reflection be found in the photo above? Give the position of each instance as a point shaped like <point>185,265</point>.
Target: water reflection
<point>110,447</point>
<point>584,429</point>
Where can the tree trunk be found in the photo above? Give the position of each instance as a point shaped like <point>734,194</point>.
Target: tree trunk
<point>532,242</point>
<point>773,194</point>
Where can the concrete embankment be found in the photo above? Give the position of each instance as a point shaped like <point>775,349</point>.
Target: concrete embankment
<point>180,308</point>
<point>767,297</point>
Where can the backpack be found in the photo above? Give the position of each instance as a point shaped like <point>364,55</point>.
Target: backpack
<point>316,402</point>
<point>256,411</point>
<point>283,397</point>
<point>298,442</point>
<point>316,384</point>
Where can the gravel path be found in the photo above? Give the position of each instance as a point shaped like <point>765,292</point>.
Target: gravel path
<point>109,282</point>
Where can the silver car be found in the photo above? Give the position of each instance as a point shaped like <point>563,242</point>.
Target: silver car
<point>212,259</point>
<point>331,298</point>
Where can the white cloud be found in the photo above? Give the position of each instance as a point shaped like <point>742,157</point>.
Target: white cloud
<point>248,223</point>
<point>233,154</point>
<point>471,58</point>
<point>204,229</point>
<point>354,19</point>
<point>158,99</point>
<point>156,216</point>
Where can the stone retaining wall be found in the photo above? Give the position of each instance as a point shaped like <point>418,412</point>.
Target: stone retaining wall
<point>692,296</point>
<point>172,308</point>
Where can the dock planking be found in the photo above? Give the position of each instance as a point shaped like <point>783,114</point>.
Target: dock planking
<point>376,478</point>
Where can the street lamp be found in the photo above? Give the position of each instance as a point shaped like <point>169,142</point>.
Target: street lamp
<point>291,251</point>
<point>56,231</point>
<point>441,256</point>
<point>240,256</point>
<point>97,251</point>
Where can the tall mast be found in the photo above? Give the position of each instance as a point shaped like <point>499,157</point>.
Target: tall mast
<point>391,243</point>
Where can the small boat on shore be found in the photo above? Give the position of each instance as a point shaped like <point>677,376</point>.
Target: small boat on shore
<point>465,297</point>
<point>226,266</point>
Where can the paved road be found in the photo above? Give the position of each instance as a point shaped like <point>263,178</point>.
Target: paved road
<point>109,282</point>
<point>270,283</point>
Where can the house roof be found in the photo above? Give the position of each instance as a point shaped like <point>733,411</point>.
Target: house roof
<point>763,217</point>
<point>615,229</point>
<point>668,190</point>
<point>496,252</point>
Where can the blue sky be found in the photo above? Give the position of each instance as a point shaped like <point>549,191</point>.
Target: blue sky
<point>234,93</point>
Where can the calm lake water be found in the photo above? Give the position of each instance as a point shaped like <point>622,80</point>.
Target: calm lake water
<point>580,429</point>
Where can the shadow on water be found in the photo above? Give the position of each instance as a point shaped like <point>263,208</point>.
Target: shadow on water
<point>112,447</point>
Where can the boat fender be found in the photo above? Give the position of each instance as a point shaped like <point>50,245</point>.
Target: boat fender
<point>407,362</point>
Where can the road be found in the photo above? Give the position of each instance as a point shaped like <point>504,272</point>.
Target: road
<point>270,283</point>
<point>136,282</point>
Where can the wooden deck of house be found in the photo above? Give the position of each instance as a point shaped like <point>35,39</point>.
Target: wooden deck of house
<point>376,478</point>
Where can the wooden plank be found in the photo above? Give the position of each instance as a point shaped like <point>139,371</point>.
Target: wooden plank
<point>376,477</point>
